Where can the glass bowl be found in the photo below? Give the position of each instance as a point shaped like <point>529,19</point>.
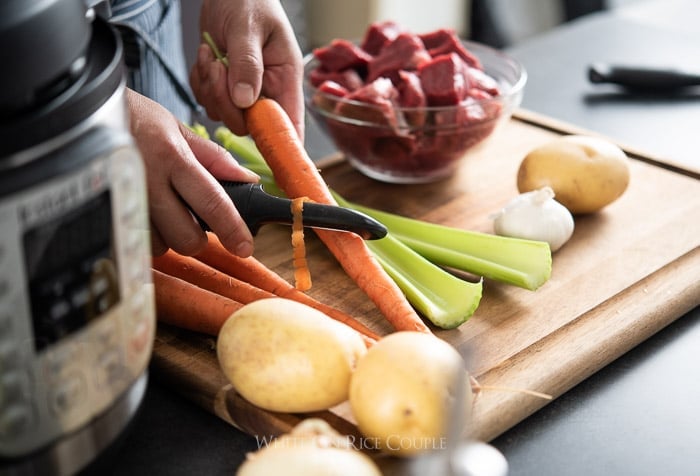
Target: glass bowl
<point>422,144</point>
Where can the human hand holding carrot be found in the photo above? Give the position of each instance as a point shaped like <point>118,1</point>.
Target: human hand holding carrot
<point>180,169</point>
<point>263,59</point>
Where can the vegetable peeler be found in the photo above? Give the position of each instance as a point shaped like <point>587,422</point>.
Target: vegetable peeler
<point>644,78</point>
<point>257,208</point>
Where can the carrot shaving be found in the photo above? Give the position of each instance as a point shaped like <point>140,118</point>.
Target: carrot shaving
<point>302,275</point>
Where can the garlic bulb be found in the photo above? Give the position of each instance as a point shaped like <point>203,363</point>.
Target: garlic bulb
<point>536,215</point>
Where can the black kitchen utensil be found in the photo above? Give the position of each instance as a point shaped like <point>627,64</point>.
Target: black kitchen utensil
<point>257,207</point>
<point>643,78</point>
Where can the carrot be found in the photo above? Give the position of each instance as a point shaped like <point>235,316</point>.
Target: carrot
<point>256,273</point>
<point>296,175</point>
<point>200,274</point>
<point>190,307</point>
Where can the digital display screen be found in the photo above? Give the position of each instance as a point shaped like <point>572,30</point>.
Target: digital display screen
<point>72,270</point>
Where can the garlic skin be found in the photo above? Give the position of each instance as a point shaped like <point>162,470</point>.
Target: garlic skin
<point>537,216</point>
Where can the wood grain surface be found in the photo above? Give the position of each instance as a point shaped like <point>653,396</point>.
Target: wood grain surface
<point>627,272</point>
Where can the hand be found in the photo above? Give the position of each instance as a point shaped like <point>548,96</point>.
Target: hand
<point>180,168</point>
<point>263,56</point>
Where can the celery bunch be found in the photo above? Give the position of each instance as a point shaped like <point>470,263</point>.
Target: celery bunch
<point>415,252</point>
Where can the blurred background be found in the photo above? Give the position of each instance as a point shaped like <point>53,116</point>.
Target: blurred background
<point>498,23</point>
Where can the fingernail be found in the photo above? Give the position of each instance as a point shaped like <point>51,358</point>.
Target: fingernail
<point>243,95</point>
<point>244,249</point>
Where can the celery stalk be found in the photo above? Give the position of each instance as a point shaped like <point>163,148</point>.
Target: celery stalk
<point>524,263</point>
<point>446,300</point>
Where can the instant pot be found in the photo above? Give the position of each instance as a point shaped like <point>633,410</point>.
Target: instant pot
<point>77,314</point>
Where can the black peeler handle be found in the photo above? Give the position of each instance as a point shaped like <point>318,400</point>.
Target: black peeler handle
<point>258,208</point>
<point>643,78</point>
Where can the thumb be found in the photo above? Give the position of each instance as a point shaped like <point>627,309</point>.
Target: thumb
<point>245,72</point>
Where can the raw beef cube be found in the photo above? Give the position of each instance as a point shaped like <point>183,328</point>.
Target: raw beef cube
<point>379,34</point>
<point>443,80</point>
<point>333,88</point>
<point>480,80</point>
<point>380,94</point>
<point>349,79</point>
<point>327,92</point>
<point>411,95</point>
<point>405,52</point>
<point>340,55</point>
<point>444,41</point>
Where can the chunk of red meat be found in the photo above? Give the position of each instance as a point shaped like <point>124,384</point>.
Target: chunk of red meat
<point>380,95</point>
<point>349,79</point>
<point>406,52</point>
<point>325,97</point>
<point>341,54</point>
<point>443,80</point>
<point>378,35</point>
<point>333,88</point>
<point>410,90</point>
<point>478,79</point>
<point>444,41</point>
<point>411,95</point>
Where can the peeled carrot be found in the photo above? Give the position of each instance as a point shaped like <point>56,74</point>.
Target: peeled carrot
<point>297,175</point>
<point>190,307</point>
<point>200,274</point>
<point>256,273</point>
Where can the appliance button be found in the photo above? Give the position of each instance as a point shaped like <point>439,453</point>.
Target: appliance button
<point>14,389</point>
<point>111,369</point>
<point>142,336</point>
<point>58,361</point>
<point>67,394</point>
<point>108,333</point>
<point>15,420</point>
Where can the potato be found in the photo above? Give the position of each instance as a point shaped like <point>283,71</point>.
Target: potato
<point>403,389</point>
<point>312,448</point>
<point>285,356</point>
<point>586,173</point>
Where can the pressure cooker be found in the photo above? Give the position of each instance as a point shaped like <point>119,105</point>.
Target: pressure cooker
<point>77,313</point>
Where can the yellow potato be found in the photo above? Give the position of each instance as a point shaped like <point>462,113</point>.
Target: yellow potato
<point>311,448</point>
<point>403,389</point>
<point>285,356</point>
<point>586,173</point>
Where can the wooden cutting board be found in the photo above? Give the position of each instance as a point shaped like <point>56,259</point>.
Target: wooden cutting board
<point>627,272</point>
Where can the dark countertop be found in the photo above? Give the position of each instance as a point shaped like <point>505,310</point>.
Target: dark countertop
<point>637,416</point>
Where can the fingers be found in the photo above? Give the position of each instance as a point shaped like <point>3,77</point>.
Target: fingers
<point>208,78</point>
<point>217,160</point>
<point>245,70</point>
<point>177,181</point>
<point>211,203</point>
<point>173,226</point>
<point>263,59</point>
